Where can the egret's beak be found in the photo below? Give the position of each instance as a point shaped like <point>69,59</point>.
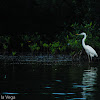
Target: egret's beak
<point>77,34</point>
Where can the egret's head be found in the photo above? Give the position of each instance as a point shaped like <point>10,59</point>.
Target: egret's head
<point>81,33</point>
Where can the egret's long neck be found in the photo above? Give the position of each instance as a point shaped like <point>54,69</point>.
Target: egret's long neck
<point>83,41</point>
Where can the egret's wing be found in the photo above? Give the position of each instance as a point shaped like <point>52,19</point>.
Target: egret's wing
<point>91,50</point>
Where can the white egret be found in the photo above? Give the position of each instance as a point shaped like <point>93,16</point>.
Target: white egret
<point>89,50</point>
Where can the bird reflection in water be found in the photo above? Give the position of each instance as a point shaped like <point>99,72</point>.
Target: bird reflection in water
<point>89,81</point>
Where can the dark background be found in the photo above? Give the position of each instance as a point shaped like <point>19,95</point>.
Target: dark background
<point>44,16</point>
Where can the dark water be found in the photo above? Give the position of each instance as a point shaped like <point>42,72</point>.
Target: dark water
<point>50,82</point>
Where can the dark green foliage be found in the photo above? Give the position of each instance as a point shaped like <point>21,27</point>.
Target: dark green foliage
<point>66,42</point>
<point>50,35</point>
<point>13,53</point>
<point>84,10</point>
<point>92,33</point>
<point>54,47</point>
<point>34,47</point>
<point>5,46</point>
<point>21,44</point>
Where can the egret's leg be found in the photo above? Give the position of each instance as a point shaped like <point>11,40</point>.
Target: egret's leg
<point>91,58</point>
<point>88,57</point>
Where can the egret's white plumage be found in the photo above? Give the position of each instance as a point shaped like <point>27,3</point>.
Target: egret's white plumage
<point>89,50</point>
